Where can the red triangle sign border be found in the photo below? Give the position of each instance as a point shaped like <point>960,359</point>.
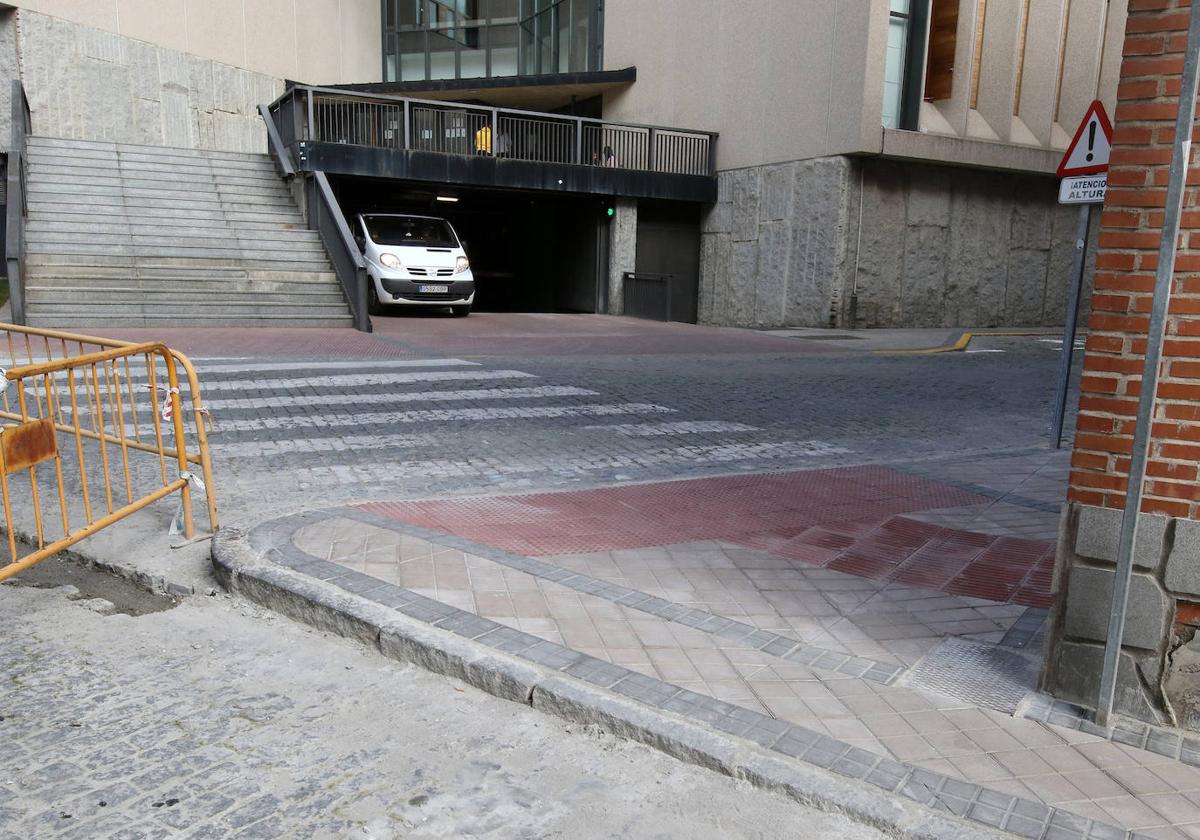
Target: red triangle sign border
<point>1097,109</point>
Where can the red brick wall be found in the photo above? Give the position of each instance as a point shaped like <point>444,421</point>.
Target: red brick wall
<point>1130,226</point>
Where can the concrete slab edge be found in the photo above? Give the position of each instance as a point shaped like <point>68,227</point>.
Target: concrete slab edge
<point>243,571</point>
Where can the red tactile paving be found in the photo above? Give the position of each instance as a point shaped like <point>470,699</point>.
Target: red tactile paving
<point>844,519</point>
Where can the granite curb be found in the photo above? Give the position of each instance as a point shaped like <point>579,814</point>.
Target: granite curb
<point>245,571</point>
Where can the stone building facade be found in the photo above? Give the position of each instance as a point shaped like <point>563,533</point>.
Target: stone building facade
<point>1159,674</point>
<point>871,242</point>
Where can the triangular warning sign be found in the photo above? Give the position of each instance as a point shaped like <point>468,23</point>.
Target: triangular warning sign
<point>1088,152</point>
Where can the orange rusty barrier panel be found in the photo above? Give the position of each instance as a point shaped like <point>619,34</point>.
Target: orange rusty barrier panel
<point>104,419</point>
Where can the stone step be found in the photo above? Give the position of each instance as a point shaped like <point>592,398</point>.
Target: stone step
<point>84,321</point>
<point>182,297</point>
<point>231,248</point>
<point>66,276</point>
<point>264,166</point>
<point>67,265</point>
<point>118,193</point>
<point>201,236</point>
<point>118,185</point>
<point>71,211</point>
<point>167,225</point>
<point>69,145</point>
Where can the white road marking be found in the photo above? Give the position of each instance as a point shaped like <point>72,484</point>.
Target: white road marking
<point>343,380</point>
<point>343,398</point>
<point>682,427</point>
<point>446,415</point>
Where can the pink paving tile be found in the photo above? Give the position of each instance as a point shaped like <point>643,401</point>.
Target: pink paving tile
<point>848,519</point>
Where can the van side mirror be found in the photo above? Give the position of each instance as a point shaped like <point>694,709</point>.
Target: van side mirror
<point>462,243</point>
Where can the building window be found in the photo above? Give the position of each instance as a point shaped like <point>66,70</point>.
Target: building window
<point>471,39</point>
<point>904,63</point>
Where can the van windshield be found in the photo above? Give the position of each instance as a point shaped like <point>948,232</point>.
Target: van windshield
<point>408,230</point>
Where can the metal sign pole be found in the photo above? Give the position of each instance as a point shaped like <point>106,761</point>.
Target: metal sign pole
<point>1068,348</point>
<point>1180,156</point>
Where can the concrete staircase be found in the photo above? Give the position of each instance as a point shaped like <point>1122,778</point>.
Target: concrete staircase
<point>122,235</point>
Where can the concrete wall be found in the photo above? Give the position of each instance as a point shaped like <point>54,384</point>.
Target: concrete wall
<point>937,246</point>
<point>314,41</point>
<point>780,79</point>
<point>784,80</point>
<point>87,83</point>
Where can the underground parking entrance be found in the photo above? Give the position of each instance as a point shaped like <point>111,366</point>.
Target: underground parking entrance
<point>549,252</point>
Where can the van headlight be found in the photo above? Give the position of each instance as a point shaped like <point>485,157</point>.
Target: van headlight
<point>461,264</point>
<point>389,260</point>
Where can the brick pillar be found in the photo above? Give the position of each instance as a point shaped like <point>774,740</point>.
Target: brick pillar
<point>1158,677</point>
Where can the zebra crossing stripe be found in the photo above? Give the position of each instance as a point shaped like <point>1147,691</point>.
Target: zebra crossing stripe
<point>343,398</point>
<point>359,418</point>
<point>341,380</point>
<point>682,427</point>
<point>267,367</point>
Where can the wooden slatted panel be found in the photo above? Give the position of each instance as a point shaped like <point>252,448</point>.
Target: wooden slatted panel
<point>943,39</point>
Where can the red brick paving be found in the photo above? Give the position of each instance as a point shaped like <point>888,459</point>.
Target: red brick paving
<point>483,334</point>
<point>845,519</point>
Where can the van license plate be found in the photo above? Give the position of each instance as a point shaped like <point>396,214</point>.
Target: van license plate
<point>431,290</point>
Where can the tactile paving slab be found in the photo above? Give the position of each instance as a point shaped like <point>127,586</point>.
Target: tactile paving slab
<point>990,676</point>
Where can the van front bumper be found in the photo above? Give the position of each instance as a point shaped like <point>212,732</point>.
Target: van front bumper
<point>459,289</point>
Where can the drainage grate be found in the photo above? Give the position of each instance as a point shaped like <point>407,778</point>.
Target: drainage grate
<point>985,675</point>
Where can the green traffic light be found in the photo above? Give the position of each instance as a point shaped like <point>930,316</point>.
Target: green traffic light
<point>611,211</point>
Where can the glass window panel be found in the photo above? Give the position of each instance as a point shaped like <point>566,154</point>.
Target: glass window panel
<point>580,26</point>
<point>503,43</point>
<point>441,65</point>
<point>563,39</point>
<point>409,12</point>
<point>412,56</point>
<point>901,6</point>
<point>545,35</point>
<point>501,10</point>
<point>893,73</point>
<point>472,57</point>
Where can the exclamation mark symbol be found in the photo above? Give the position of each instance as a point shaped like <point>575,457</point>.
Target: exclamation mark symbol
<point>1091,139</point>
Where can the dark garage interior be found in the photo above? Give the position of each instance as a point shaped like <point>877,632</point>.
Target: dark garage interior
<point>529,252</point>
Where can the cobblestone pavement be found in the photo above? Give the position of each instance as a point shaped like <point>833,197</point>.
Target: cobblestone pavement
<point>730,631</point>
<point>505,403</point>
<point>572,405</point>
<point>218,720</point>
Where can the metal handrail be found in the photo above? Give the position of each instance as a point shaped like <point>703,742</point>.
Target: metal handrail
<point>348,261</point>
<point>279,152</point>
<point>402,123</point>
<point>17,210</point>
<point>445,103</point>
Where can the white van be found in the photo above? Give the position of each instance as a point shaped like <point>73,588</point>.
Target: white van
<point>414,260</point>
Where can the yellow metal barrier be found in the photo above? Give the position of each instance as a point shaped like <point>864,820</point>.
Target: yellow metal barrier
<point>106,418</point>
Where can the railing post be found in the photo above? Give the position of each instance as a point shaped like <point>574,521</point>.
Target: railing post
<point>311,133</point>
<point>578,140</point>
<point>495,132</point>
<point>407,124</point>
<point>712,154</point>
<point>15,222</point>
<point>651,138</point>
<point>362,318</point>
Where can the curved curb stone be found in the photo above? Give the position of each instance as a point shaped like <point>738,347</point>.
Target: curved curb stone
<point>243,570</point>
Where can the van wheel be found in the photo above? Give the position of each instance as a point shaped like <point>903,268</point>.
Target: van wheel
<point>374,307</point>
<point>460,311</point>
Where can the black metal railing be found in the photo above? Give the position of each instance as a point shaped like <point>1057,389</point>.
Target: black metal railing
<point>325,217</point>
<point>329,115</point>
<point>278,149</point>
<point>18,210</point>
<point>646,295</point>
